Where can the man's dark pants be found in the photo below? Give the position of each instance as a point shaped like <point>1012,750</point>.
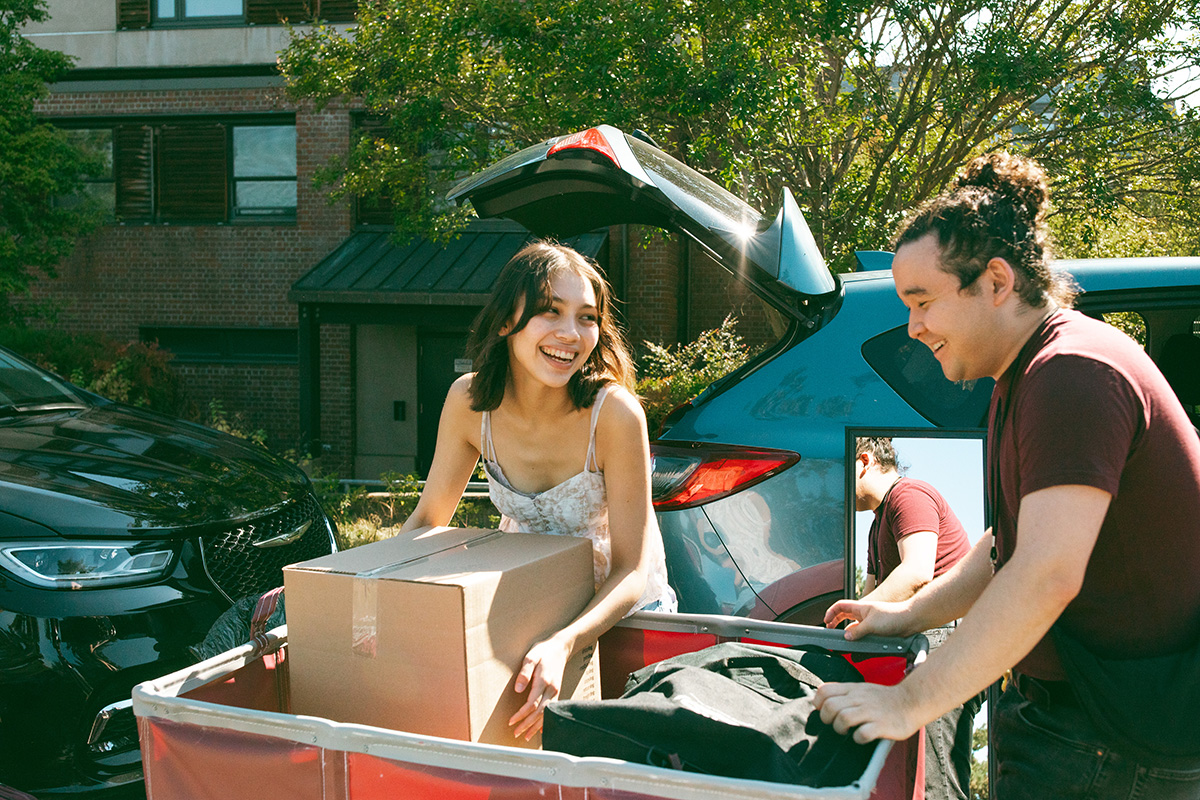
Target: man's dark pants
<point>1047,747</point>
<point>948,742</point>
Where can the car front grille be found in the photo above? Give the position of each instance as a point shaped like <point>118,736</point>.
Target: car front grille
<point>239,568</point>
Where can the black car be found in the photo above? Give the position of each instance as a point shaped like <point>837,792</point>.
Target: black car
<point>751,488</point>
<point>124,535</point>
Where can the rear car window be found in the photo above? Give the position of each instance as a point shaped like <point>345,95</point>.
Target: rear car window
<point>913,373</point>
<point>692,184</point>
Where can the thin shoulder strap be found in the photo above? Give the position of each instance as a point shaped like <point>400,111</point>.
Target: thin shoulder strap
<point>488,450</point>
<point>590,461</point>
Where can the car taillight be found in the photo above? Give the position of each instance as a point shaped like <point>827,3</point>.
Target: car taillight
<point>591,139</point>
<point>686,475</point>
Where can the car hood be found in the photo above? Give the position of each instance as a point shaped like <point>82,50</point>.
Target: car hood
<point>109,470</point>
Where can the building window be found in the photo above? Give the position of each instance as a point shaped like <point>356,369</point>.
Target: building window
<point>168,13</point>
<point>97,144</point>
<point>179,10</point>
<point>200,171</point>
<point>264,171</point>
<point>375,208</point>
<point>226,345</point>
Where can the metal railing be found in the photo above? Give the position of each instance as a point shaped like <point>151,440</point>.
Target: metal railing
<point>474,488</point>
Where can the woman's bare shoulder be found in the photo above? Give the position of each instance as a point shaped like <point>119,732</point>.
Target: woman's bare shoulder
<point>461,388</point>
<point>457,410</point>
<point>622,413</point>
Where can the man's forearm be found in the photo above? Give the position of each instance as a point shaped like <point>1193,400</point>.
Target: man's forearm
<point>902,584</point>
<point>918,561</point>
<point>1004,624</point>
<point>1058,528</point>
<point>951,596</point>
<point>1007,620</point>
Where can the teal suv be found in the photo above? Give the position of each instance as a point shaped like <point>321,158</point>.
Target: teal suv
<point>750,481</point>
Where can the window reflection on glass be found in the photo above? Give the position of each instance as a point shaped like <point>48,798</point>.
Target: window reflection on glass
<point>97,145</point>
<point>1130,322</point>
<point>165,9</point>
<point>264,170</point>
<point>212,8</point>
<point>105,196</point>
<point>264,151</point>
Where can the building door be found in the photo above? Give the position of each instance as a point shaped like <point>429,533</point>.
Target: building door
<point>441,359</point>
<point>385,367</point>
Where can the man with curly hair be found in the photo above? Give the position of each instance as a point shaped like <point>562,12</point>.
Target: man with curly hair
<point>1087,588</point>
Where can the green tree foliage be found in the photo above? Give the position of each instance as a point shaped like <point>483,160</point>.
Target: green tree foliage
<point>862,109</point>
<point>979,788</point>
<point>39,165</point>
<point>1147,226</point>
<point>363,517</point>
<point>674,375</point>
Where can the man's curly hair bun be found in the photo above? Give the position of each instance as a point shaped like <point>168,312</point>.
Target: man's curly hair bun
<point>1021,180</point>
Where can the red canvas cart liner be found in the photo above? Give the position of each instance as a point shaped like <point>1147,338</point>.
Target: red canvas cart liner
<point>221,730</point>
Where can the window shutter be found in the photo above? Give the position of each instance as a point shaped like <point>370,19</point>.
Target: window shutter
<point>338,10</point>
<point>272,12</point>
<point>193,173</point>
<point>132,172</point>
<point>376,208</point>
<point>133,14</point>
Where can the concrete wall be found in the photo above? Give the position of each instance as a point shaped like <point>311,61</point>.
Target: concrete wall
<point>87,30</point>
<point>77,16</point>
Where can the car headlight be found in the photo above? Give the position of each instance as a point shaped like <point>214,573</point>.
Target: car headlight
<point>77,566</point>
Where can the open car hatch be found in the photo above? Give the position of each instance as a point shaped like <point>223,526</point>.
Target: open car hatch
<point>571,184</point>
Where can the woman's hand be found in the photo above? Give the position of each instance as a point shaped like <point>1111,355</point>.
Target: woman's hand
<point>542,674</point>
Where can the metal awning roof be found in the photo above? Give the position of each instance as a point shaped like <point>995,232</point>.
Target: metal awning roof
<point>368,267</point>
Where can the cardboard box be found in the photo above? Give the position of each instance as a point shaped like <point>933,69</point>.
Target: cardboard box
<point>425,633</point>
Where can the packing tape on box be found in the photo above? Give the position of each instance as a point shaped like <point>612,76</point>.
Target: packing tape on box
<point>365,606</point>
<point>365,596</point>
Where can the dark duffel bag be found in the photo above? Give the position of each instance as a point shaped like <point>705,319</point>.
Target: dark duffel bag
<point>738,710</point>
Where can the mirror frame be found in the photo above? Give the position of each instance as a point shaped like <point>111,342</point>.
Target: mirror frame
<point>898,432</point>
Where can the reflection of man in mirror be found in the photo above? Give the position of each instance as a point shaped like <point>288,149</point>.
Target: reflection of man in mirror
<point>1088,588</point>
<point>914,538</point>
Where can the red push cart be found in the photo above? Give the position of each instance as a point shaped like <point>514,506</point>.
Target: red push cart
<point>221,731</point>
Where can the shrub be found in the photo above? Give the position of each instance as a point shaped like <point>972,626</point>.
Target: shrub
<point>979,788</point>
<point>234,424</point>
<point>674,375</point>
<point>134,373</point>
<point>363,517</point>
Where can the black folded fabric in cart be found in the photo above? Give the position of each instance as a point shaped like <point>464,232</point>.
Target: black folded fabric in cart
<point>738,710</point>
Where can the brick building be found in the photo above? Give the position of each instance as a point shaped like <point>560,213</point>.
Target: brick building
<point>215,228</point>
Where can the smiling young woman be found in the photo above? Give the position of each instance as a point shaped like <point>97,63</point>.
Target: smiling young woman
<point>551,410</point>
